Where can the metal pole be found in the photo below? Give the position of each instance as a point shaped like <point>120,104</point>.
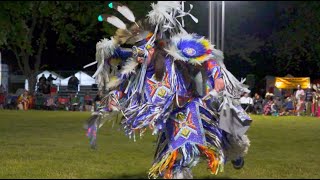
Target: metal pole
<point>210,20</point>
<point>213,31</point>
<point>218,26</point>
<point>222,25</point>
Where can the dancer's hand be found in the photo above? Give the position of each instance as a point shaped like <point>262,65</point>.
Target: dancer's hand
<point>218,84</point>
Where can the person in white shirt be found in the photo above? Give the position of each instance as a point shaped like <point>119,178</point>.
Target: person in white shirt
<point>246,102</point>
<point>300,96</point>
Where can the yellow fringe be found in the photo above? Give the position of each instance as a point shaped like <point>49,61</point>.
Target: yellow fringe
<point>167,163</point>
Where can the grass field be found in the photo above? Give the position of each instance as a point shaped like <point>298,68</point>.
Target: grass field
<point>39,144</point>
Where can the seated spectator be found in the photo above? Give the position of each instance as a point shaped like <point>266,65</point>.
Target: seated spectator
<point>2,97</point>
<point>267,106</point>
<point>41,83</point>
<point>50,104</point>
<point>257,104</point>
<point>97,100</point>
<point>246,102</point>
<point>46,88</point>
<point>88,102</point>
<point>32,100</point>
<point>74,102</point>
<point>288,106</point>
<point>23,101</point>
<point>274,109</point>
<point>2,100</point>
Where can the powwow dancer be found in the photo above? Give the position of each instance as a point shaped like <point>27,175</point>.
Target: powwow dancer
<point>155,89</point>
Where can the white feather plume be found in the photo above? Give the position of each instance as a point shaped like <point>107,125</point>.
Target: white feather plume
<point>129,67</point>
<point>161,11</point>
<point>126,12</point>
<point>104,49</point>
<point>113,83</point>
<point>116,22</point>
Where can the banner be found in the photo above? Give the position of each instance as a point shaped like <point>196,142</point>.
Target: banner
<point>292,82</point>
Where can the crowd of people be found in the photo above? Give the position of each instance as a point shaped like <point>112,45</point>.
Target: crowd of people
<point>300,102</point>
<point>45,97</point>
<point>39,101</point>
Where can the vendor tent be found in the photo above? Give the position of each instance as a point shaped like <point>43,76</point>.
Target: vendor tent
<point>292,82</point>
<point>46,73</point>
<point>84,79</point>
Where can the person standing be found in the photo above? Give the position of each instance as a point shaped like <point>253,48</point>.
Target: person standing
<point>309,97</point>
<point>50,79</point>
<point>73,83</point>
<point>300,96</point>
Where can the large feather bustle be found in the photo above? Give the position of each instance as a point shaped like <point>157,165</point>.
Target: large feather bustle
<point>114,82</point>
<point>104,49</point>
<point>125,11</point>
<point>122,35</point>
<point>114,21</point>
<point>129,67</point>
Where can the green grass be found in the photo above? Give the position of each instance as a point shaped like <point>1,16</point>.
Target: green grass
<point>39,144</point>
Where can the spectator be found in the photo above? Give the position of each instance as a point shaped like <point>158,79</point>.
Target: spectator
<point>300,96</point>
<point>50,103</point>
<point>257,104</point>
<point>46,88</point>
<point>274,108</point>
<point>42,79</point>
<point>75,102</point>
<point>267,106</point>
<point>88,102</point>
<point>2,97</point>
<point>246,102</point>
<point>316,101</point>
<point>308,101</point>
<point>2,101</point>
<point>288,106</point>
<point>23,101</point>
<point>41,83</point>
<point>97,100</point>
<point>73,83</point>
<point>50,79</point>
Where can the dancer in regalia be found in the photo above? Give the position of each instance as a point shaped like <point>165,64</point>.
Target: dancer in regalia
<point>176,84</point>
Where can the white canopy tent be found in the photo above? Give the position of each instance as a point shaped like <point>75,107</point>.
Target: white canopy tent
<point>46,73</point>
<point>84,79</point>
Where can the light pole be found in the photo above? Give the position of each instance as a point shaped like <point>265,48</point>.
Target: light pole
<point>222,25</point>
<point>217,37</point>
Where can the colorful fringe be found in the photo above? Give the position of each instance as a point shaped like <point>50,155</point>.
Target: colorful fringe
<point>214,162</point>
<point>165,166</point>
<point>92,135</point>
